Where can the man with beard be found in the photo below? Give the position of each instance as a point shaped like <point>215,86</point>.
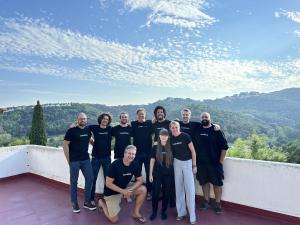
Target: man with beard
<point>159,121</point>
<point>188,126</point>
<point>122,134</point>
<point>142,139</point>
<point>76,144</point>
<point>116,187</point>
<point>211,149</point>
<point>101,153</point>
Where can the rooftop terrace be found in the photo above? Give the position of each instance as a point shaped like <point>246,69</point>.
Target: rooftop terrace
<point>34,182</point>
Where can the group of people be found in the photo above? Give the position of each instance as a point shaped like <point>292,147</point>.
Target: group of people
<point>170,151</point>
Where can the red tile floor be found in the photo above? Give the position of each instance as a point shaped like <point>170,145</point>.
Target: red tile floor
<point>28,201</point>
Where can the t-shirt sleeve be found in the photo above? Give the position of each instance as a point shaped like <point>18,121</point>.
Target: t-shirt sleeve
<point>113,131</point>
<point>153,152</point>
<point>187,138</point>
<point>68,136</point>
<point>222,142</point>
<point>112,171</point>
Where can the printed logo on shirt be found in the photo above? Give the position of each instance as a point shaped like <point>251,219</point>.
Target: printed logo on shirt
<point>124,133</point>
<point>177,143</point>
<point>84,135</point>
<point>126,174</point>
<point>185,128</point>
<point>103,133</point>
<point>141,126</point>
<point>204,134</point>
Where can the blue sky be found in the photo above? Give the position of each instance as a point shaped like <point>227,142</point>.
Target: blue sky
<point>138,51</point>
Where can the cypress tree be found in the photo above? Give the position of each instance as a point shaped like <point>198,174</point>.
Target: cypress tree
<point>37,134</point>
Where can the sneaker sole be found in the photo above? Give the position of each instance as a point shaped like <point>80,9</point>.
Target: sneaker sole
<point>76,211</point>
<point>89,208</point>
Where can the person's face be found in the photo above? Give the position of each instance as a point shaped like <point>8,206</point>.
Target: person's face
<point>163,138</point>
<point>160,114</point>
<point>175,129</point>
<point>186,116</point>
<point>141,116</point>
<point>123,118</point>
<point>105,121</point>
<point>130,155</point>
<point>82,120</point>
<point>205,116</point>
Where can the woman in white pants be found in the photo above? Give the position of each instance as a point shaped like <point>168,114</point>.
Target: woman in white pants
<point>184,168</point>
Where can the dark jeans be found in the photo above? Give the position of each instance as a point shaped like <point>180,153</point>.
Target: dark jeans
<point>96,164</point>
<point>146,160</point>
<point>167,183</point>
<point>86,169</point>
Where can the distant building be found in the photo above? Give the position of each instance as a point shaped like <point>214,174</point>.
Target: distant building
<point>2,110</point>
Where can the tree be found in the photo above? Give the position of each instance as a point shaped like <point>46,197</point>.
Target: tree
<point>37,134</point>
<point>293,149</point>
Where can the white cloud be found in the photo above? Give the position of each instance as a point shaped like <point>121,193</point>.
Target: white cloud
<point>29,46</point>
<point>182,13</point>
<point>36,38</point>
<point>294,16</point>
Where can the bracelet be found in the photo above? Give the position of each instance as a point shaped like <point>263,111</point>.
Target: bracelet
<point>194,166</point>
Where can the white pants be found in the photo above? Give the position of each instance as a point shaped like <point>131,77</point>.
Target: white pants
<point>185,188</point>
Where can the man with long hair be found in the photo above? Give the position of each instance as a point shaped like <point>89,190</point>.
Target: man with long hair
<point>101,153</point>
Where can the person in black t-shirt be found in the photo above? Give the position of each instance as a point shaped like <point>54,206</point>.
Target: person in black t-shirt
<point>161,173</point>
<point>211,149</point>
<point>116,187</point>
<point>142,139</point>
<point>122,134</point>
<point>188,126</point>
<point>184,167</point>
<point>76,144</point>
<point>101,154</point>
<point>159,121</point>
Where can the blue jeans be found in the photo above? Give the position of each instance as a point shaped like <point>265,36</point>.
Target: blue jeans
<point>96,164</point>
<point>86,169</point>
<point>140,159</point>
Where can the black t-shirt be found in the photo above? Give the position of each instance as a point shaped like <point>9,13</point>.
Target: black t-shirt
<point>121,174</point>
<point>102,141</point>
<point>161,168</point>
<point>209,144</point>
<point>188,128</point>
<point>180,148</point>
<point>157,126</point>
<point>79,143</point>
<point>122,139</point>
<point>142,136</point>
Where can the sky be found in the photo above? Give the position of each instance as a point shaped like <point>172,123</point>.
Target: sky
<point>118,52</point>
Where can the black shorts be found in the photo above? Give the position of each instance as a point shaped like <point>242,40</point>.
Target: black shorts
<point>209,173</point>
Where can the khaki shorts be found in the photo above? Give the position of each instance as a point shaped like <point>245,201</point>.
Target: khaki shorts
<point>113,204</point>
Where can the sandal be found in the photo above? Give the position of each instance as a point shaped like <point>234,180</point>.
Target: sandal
<point>140,219</point>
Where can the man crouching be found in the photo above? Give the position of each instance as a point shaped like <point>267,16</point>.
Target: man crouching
<point>116,187</point>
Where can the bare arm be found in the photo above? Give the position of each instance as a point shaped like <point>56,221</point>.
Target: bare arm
<point>66,150</point>
<point>139,182</point>
<point>109,183</point>
<point>152,161</point>
<point>192,149</point>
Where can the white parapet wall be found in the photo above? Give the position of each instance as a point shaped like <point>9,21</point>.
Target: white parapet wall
<point>265,185</point>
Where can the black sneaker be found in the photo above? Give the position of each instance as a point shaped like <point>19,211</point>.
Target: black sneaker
<point>75,208</point>
<point>89,205</point>
<point>153,216</point>
<point>163,215</point>
<point>204,205</point>
<point>218,209</point>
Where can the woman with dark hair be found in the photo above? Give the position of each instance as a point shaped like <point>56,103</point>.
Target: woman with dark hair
<point>161,173</point>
